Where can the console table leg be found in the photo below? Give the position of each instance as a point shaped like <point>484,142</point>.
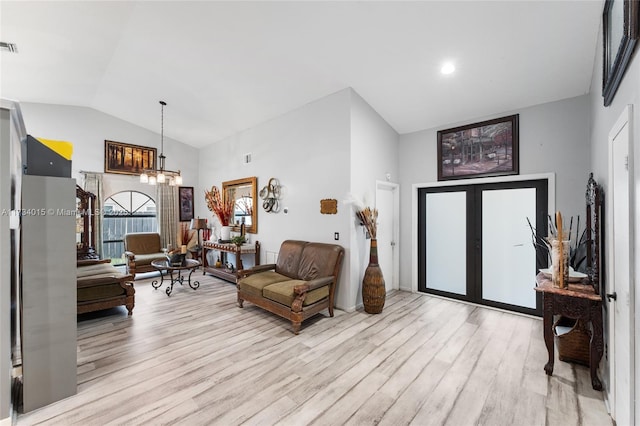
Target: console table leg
<point>596,348</point>
<point>548,332</point>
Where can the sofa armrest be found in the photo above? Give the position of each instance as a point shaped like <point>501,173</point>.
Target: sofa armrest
<point>85,262</point>
<point>312,285</point>
<point>130,255</point>
<point>301,291</point>
<point>102,280</point>
<point>128,288</point>
<point>255,270</point>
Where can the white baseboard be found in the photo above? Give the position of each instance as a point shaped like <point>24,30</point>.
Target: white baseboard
<point>606,401</point>
<point>5,422</point>
<point>348,310</point>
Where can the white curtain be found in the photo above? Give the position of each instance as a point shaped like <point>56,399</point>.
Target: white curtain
<point>93,184</point>
<point>167,203</point>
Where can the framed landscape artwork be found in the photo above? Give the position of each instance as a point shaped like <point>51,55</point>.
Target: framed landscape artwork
<point>488,148</point>
<point>185,195</point>
<point>127,159</point>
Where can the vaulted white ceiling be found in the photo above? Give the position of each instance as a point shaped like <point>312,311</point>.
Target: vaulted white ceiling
<point>223,67</point>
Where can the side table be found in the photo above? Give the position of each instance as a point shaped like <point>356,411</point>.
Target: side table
<point>164,265</point>
<point>577,301</point>
<point>224,248</point>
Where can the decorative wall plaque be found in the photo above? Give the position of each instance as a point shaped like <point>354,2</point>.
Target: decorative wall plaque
<point>329,206</point>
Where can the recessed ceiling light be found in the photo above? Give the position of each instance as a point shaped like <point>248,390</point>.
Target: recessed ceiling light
<point>447,68</point>
<point>9,47</point>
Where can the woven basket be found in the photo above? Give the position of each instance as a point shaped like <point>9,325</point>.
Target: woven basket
<point>573,346</point>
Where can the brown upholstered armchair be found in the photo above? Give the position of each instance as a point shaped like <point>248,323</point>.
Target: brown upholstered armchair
<point>140,249</point>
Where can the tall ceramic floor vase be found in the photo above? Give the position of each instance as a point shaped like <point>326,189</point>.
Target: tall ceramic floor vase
<point>373,288</point>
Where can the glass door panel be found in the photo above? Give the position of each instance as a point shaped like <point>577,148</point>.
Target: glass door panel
<point>508,256</point>
<point>446,241</point>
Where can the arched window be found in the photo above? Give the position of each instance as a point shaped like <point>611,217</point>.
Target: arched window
<point>126,211</point>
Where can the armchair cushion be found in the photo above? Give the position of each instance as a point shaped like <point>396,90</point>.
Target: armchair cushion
<point>254,284</point>
<point>282,292</point>
<point>143,242</point>
<point>145,259</point>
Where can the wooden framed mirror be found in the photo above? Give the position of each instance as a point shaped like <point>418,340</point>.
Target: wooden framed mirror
<point>244,192</point>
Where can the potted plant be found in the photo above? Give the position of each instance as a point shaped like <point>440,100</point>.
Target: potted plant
<point>238,240</point>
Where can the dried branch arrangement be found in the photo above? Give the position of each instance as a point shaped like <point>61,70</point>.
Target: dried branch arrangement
<point>577,238</point>
<point>244,203</point>
<point>185,233</point>
<point>369,218</point>
<point>222,210</point>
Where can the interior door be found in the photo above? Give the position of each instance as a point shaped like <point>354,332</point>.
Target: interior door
<point>620,278</point>
<point>475,242</point>
<point>386,203</point>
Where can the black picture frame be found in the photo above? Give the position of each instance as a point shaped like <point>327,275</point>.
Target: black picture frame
<point>185,199</point>
<point>127,159</point>
<point>487,148</point>
<point>619,40</point>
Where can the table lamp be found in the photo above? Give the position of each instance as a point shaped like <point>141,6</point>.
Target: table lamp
<point>198,224</point>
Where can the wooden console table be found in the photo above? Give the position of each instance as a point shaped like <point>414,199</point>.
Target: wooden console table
<point>577,301</point>
<point>224,248</point>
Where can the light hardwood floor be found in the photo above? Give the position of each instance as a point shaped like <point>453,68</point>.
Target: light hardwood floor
<point>196,358</point>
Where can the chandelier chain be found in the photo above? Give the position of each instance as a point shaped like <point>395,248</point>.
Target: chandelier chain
<point>155,176</point>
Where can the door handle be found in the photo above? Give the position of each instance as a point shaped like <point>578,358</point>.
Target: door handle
<point>613,296</point>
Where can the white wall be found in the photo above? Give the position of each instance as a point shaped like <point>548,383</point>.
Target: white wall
<point>554,137</point>
<point>307,150</point>
<point>374,153</point>
<point>87,129</point>
<point>602,120</point>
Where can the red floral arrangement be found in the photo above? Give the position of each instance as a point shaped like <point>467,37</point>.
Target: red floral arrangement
<point>222,209</point>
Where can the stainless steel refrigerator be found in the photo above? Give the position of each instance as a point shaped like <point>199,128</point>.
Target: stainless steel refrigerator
<point>37,274</point>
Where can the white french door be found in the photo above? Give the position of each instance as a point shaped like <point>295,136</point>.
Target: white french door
<point>508,255</point>
<point>475,242</point>
<point>446,242</point>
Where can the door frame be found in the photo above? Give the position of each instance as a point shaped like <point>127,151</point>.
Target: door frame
<point>551,206</point>
<point>395,189</point>
<point>625,119</point>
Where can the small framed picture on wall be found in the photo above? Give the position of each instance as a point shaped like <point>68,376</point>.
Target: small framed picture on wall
<point>185,197</point>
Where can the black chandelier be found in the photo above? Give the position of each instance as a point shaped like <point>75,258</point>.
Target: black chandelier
<point>160,176</point>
